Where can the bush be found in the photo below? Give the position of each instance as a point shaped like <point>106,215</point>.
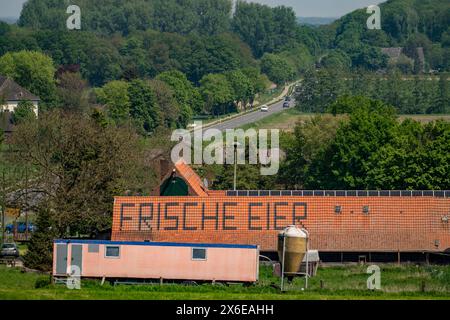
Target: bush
<point>42,282</point>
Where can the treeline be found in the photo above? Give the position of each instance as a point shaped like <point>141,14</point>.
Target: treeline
<point>411,95</point>
<point>368,150</point>
<point>108,17</point>
<point>139,55</point>
<point>404,23</point>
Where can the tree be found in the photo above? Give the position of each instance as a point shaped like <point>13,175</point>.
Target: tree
<point>217,93</point>
<point>39,254</point>
<point>173,115</point>
<point>243,89</point>
<point>144,107</point>
<point>25,111</point>
<point>277,68</point>
<point>305,147</point>
<point>80,167</point>
<point>114,95</point>
<point>72,92</point>
<point>32,70</point>
<point>186,94</point>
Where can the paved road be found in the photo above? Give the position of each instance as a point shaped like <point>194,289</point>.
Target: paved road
<point>250,117</point>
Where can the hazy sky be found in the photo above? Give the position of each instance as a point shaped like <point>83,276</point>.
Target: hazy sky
<point>304,8</point>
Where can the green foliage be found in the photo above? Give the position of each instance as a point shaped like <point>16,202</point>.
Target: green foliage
<point>217,93</point>
<point>187,96</point>
<point>277,68</point>
<point>76,157</point>
<point>72,92</point>
<point>114,95</point>
<point>109,16</point>
<point>369,150</point>
<point>144,107</point>
<point>39,255</point>
<point>414,95</point>
<point>32,70</point>
<point>24,112</point>
<point>263,28</point>
<point>405,23</point>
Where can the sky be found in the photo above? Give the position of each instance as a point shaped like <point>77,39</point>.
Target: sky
<point>304,8</point>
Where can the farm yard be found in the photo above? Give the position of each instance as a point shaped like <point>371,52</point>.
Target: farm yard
<point>403,282</point>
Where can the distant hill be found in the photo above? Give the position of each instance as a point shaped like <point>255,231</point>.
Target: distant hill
<point>10,20</point>
<point>409,24</point>
<point>315,21</point>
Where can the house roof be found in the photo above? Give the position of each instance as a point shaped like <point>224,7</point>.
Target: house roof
<point>11,91</point>
<point>191,178</point>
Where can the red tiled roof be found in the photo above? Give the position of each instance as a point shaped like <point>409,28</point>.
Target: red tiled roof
<point>192,179</point>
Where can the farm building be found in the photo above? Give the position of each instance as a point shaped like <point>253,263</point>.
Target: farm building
<point>338,221</point>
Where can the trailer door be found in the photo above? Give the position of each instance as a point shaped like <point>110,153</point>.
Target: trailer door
<point>77,256</point>
<point>61,259</point>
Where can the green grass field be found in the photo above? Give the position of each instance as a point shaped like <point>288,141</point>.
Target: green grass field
<point>286,120</point>
<point>347,282</point>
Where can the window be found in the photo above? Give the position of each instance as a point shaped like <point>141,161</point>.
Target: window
<point>198,254</point>
<point>112,252</point>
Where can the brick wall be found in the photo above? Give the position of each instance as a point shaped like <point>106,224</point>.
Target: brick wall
<point>387,224</point>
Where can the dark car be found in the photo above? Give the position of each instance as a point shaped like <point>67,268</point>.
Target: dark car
<point>286,105</point>
<point>9,250</point>
<point>287,99</point>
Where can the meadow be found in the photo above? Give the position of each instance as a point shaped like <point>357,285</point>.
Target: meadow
<point>332,282</point>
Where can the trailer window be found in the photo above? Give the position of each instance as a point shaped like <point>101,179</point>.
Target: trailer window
<point>198,254</point>
<point>112,252</point>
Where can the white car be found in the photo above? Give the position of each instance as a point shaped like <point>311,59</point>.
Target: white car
<point>264,108</point>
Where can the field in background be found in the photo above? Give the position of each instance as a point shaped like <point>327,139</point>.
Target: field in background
<point>287,120</point>
<point>345,282</point>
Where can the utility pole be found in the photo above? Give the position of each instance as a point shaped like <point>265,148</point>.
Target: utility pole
<point>3,203</point>
<point>235,145</point>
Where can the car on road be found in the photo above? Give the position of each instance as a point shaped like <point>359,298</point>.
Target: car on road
<point>287,98</point>
<point>9,250</point>
<point>264,108</point>
<point>286,104</point>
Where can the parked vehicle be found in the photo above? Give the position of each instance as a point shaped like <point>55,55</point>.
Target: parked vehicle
<point>264,108</point>
<point>9,250</point>
<point>286,105</point>
<point>288,98</point>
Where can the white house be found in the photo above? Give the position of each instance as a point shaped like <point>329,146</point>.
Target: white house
<point>11,94</point>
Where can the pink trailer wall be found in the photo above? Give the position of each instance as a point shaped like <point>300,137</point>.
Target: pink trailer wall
<point>161,260</point>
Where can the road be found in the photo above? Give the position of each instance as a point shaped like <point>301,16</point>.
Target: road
<point>252,117</point>
<point>249,117</point>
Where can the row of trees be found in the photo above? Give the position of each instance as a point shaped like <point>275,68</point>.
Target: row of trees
<point>405,23</point>
<point>109,16</point>
<point>137,55</point>
<point>412,95</point>
<point>171,100</point>
<point>369,149</point>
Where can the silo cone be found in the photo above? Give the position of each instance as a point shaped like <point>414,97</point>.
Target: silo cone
<point>295,248</point>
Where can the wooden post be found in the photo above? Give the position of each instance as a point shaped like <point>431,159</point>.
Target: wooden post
<point>398,257</point>
<point>427,256</point>
<point>321,284</point>
<point>422,287</point>
<point>161,281</point>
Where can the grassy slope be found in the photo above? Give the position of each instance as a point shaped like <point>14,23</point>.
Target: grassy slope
<point>339,283</point>
<point>286,120</point>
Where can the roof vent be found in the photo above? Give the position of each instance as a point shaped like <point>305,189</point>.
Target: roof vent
<point>366,210</point>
